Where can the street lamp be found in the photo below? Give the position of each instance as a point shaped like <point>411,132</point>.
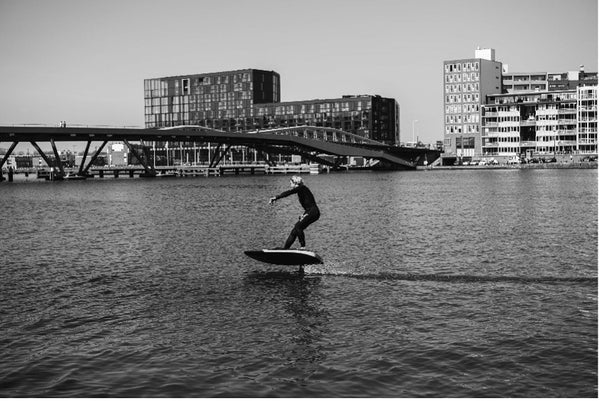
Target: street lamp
<point>413,129</point>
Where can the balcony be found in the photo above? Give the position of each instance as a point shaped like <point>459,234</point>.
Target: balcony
<point>528,123</point>
<point>563,132</point>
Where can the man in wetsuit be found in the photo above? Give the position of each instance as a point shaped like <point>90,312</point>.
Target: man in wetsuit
<point>311,211</point>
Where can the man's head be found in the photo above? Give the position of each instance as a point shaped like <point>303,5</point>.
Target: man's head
<point>296,181</point>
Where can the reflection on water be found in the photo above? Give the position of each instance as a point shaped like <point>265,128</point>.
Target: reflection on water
<point>304,347</point>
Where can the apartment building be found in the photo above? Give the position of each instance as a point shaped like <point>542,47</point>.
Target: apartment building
<point>467,82</point>
<point>489,111</point>
<point>524,82</point>
<point>587,119</point>
<point>533,124</point>
<point>545,81</point>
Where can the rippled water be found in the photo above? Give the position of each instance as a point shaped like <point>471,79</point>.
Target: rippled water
<point>435,284</point>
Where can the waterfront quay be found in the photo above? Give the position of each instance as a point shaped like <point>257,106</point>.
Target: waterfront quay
<point>552,161</point>
<point>520,166</point>
<point>52,174</point>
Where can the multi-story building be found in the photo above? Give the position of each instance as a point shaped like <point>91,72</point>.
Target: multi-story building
<point>222,100</point>
<point>587,119</point>
<point>524,82</point>
<point>544,81</point>
<point>247,100</point>
<point>571,79</point>
<point>544,117</point>
<point>532,124</point>
<point>369,116</point>
<point>467,82</point>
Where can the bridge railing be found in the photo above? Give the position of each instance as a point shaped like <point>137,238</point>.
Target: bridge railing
<point>326,134</point>
<point>69,125</point>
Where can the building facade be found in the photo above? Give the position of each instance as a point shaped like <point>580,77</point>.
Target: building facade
<point>489,111</point>
<point>524,82</point>
<point>247,100</point>
<point>544,81</point>
<point>534,124</point>
<point>372,117</point>
<point>587,119</point>
<point>467,82</point>
<point>222,100</point>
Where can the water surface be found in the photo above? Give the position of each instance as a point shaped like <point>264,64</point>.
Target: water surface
<point>435,284</point>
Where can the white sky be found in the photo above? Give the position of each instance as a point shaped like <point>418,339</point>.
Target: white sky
<point>84,61</point>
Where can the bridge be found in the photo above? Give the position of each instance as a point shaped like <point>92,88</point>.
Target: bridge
<point>308,141</point>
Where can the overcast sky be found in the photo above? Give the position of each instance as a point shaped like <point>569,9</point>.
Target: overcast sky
<point>84,61</point>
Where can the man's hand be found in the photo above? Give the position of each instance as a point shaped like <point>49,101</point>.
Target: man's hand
<point>272,200</point>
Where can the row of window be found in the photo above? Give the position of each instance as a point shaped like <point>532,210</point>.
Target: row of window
<point>214,80</point>
<point>242,100</point>
<point>539,136</point>
<point>202,85</point>
<point>456,88</point>
<point>507,139</point>
<point>223,88</point>
<point>588,93</point>
<point>155,84</point>
<point>460,118</point>
<point>215,114</point>
<point>541,130</point>
<point>533,98</point>
<point>278,109</point>
<point>523,78</point>
<point>508,151</point>
<point>464,77</point>
<point>462,108</point>
<point>464,98</point>
<point>540,112</point>
<point>205,102</point>
<point>461,129</point>
<point>536,87</point>
<point>459,67</point>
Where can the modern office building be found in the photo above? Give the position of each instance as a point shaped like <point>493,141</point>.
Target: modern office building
<point>246,100</point>
<point>369,116</point>
<point>467,82</point>
<point>222,100</point>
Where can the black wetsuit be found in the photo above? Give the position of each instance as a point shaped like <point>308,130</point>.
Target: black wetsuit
<point>311,214</point>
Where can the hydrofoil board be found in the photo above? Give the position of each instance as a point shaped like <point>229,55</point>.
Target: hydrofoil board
<point>295,257</point>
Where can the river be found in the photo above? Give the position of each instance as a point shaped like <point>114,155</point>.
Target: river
<point>435,284</point>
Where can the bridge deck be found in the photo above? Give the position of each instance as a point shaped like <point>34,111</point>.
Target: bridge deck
<point>305,140</point>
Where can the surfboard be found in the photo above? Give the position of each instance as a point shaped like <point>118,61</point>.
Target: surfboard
<point>295,257</point>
